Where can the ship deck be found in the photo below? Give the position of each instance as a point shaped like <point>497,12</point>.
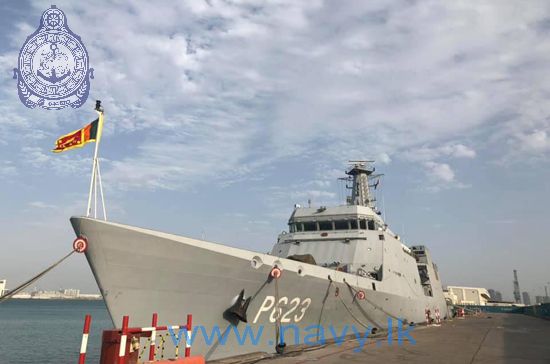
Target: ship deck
<point>487,338</point>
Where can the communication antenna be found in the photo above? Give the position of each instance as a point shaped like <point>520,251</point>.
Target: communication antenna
<point>517,294</point>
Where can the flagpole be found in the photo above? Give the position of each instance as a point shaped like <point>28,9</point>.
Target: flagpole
<point>101,192</point>
<point>93,180</point>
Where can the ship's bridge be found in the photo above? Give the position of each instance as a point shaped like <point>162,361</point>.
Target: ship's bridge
<point>349,238</point>
<point>346,217</point>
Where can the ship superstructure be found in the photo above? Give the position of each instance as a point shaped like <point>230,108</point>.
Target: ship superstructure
<point>353,238</point>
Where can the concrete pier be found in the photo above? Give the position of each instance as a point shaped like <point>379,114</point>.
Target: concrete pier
<point>487,338</point>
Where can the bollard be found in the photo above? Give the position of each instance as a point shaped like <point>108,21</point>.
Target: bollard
<point>428,318</point>
<point>84,343</point>
<point>437,317</point>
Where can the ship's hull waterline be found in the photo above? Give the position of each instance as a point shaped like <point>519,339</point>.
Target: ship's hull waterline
<point>141,271</point>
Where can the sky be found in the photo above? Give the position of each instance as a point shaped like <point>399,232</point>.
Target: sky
<point>221,115</point>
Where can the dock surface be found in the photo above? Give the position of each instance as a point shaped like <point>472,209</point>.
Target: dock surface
<point>487,338</point>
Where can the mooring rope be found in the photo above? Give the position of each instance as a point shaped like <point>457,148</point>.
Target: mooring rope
<point>354,294</point>
<point>21,287</point>
<point>323,307</point>
<point>352,315</point>
<point>279,313</point>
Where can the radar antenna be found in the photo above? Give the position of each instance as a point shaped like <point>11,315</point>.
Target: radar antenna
<point>359,174</point>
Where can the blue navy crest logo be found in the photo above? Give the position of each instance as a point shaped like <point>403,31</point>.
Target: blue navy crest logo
<point>53,65</point>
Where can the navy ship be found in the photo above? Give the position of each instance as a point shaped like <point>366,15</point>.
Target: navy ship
<point>334,267</point>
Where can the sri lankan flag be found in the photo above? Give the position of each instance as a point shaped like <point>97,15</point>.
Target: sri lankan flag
<point>77,138</point>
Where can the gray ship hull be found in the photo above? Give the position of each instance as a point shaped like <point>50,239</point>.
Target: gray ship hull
<point>141,271</point>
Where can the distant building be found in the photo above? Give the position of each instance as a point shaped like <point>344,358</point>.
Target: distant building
<point>90,296</point>
<point>526,298</point>
<point>3,283</point>
<point>22,295</point>
<point>496,296</point>
<point>450,297</point>
<point>71,292</point>
<point>468,295</point>
<point>62,294</point>
<point>542,299</point>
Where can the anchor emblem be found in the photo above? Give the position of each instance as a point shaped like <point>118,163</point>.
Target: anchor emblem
<point>53,68</point>
<point>50,62</point>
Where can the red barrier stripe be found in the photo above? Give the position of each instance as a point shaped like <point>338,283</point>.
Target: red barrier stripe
<point>123,337</point>
<point>152,348</point>
<point>84,343</point>
<point>188,336</point>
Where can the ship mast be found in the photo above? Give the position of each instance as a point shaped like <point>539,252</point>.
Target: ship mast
<point>359,174</point>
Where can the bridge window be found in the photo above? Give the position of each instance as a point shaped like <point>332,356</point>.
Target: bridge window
<point>325,225</point>
<point>299,227</point>
<point>310,226</point>
<point>341,225</point>
<point>353,224</point>
<point>363,224</point>
<point>371,225</point>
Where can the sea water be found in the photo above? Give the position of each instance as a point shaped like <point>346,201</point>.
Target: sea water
<point>49,331</point>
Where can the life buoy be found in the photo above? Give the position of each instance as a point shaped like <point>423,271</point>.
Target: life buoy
<point>360,295</point>
<point>80,244</point>
<point>276,272</point>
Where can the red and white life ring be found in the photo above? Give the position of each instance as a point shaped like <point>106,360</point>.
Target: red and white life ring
<point>360,295</point>
<point>80,244</point>
<point>276,272</point>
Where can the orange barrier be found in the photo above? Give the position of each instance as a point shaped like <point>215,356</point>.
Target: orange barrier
<point>118,344</point>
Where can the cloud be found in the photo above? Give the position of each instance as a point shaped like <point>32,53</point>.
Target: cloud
<point>383,158</point>
<point>41,205</point>
<point>435,162</point>
<point>218,90</point>
<point>7,169</point>
<point>536,141</point>
<point>313,194</point>
<point>440,171</point>
<point>447,151</point>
